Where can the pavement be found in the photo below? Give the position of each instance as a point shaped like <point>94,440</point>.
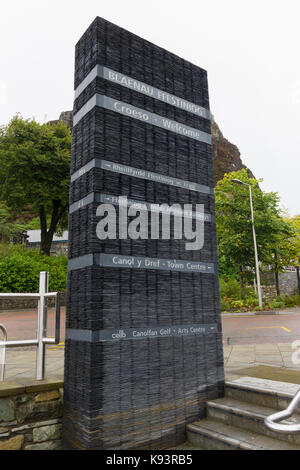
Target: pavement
<point>238,357</point>
<point>20,364</point>
<point>241,357</point>
<point>265,340</point>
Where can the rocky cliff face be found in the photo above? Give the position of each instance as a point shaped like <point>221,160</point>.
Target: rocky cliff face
<point>226,155</point>
<point>66,117</point>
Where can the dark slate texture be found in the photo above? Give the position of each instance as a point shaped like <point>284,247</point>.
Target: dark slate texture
<point>138,394</point>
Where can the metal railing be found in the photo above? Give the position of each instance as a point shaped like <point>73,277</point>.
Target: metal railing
<point>2,344</point>
<point>41,340</point>
<point>273,422</point>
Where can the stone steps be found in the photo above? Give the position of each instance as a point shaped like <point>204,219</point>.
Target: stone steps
<point>211,434</point>
<point>247,416</point>
<point>187,446</point>
<point>269,393</point>
<point>236,422</point>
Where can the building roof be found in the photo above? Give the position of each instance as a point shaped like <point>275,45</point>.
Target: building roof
<point>34,236</point>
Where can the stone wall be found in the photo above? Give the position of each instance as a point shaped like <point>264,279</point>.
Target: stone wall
<point>14,304</point>
<point>288,283</point>
<point>57,248</point>
<point>31,415</point>
<point>269,292</point>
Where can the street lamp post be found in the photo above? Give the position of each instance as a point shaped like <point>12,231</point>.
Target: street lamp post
<point>254,241</point>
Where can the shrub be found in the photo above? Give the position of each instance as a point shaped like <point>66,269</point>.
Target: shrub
<point>250,292</point>
<point>237,304</point>
<point>291,300</point>
<point>277,304</point>
<point>297,299</point>
<point>251,302</point>
<point>230,288</point>
<point>225,305</point>
<point>231,299</point>
<point>20,268</point>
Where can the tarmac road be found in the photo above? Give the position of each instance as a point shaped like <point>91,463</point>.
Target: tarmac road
<point>261,329</point>
<point>237,329</point>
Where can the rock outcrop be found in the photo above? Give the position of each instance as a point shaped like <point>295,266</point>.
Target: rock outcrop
<point>66,117</point>
<point>227,156</point>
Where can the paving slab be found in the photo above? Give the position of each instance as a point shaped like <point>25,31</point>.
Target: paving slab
<point>22,363</point>
<point>269,372</point>
<point>268,385</point>
<point>237,361</point>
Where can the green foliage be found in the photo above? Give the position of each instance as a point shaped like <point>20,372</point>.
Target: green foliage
<point>277,304</point>
<point>230,289</point>
<point>231,299</point>
<point>8,227</point>
<point>257,309</point>
<point>234,226</point>
<point>20,268</point>
<point>33,224</point>
<point>288,248</point>
<point>34,172</point>
<point>251,302</point>
<point>289,300</point>
<point>237,304</point>
<point>285,300</point>
<point>225,305</point>
<point>227,268</point>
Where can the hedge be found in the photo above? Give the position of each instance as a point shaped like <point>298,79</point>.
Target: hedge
<point>20,268</point>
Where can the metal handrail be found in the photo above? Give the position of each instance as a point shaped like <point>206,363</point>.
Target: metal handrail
<point>3,329</point>
<point>273,421</point>
<point>41,340</point>
<point>32,295</point>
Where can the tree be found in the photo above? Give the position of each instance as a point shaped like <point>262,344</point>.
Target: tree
<point>9,229</point>
<point>295,241</point>
<point>234,226</point>
<point>286,251</point>
<point>34,172</point>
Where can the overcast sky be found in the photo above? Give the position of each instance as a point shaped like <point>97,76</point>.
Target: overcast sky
<point>250,49</point>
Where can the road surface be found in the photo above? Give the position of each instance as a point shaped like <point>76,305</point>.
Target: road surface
<point>261,329</point>
<point>22,324</point>
<point>237,329</point>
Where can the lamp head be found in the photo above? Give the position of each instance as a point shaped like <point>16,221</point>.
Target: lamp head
<point>238,181</point>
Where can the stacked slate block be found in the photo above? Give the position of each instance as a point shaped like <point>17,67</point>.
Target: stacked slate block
<point>137,394</point>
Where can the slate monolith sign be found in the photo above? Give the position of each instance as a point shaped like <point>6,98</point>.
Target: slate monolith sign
<point>143,336</point>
